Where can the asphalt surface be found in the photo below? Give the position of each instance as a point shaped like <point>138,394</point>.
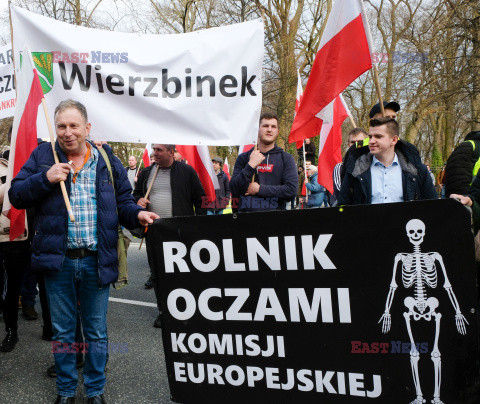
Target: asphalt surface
<point>135,376</point>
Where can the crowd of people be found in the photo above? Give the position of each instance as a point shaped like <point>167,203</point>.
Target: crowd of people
<point>74,263</point>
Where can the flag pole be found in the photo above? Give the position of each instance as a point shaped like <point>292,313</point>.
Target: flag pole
<point>305,170</point>
<point>255,148</point>
<point>374,66</point>
<point>146,197</point>
<point>62,183</point>
<point>11,40</point>
<point>138,169</point>
<point>352,121</point>
<point>377,86</point>
<point>57,161</point>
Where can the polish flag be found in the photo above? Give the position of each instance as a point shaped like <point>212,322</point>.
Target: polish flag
<point>245,147</point>
<point>226,169</point>
<point>298,100</point>
<point>330,142</point>
<point>199,158</point>
<point>299,92</point>
<point>24,135</point>
<point>146,155</point>
<point>344,54</point>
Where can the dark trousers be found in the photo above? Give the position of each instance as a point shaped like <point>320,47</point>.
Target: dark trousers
<point>16,258</point>
<point>29,288</point>
<point>156,286</point>
<point>2,283</point>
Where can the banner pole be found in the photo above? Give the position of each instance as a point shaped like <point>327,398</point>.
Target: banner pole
<point>377,86</point>
<point>146,197</point>
<point>57,161</point>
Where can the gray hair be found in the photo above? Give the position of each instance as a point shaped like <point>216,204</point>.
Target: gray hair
<point>72,104</point>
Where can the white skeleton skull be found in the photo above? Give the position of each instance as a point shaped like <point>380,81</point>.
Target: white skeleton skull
<point>415,231</point>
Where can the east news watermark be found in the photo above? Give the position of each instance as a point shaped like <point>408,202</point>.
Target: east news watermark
<point>394,347</point>
<point>400,57</point>
<point>92,347</point>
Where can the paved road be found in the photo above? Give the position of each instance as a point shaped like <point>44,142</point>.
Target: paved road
<point>137,376</point>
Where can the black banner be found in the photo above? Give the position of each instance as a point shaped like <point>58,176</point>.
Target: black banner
<point>341,305</point>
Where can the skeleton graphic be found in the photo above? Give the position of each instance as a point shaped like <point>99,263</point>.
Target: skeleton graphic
<point>419,271</point>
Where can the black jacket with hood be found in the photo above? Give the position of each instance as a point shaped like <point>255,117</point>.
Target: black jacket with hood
<point>277,176</point>
<point>357,184</point>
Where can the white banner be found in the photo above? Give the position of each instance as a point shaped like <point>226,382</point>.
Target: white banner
<point>7,85</point>
<point>199,88</point>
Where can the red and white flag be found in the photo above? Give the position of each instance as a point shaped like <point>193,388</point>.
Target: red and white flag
<point>245,147</point>
<point>344,54</point>
<point>298,100</point>
<point>299,92</point>
<point>24,135</point>
<point>146,155</point>
<point>199,158</point>
<point>330,142</point>
<point>226,170</point>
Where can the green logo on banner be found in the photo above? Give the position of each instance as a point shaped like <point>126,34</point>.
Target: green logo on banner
<point>43,63</point>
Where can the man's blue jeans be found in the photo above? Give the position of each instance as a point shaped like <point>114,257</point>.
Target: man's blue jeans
<point>78,280</point>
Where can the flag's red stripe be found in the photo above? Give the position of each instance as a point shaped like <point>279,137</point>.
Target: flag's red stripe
<point>339,62</point>
<point>25,143</point>
<point>190,153</point>
<point>246,148</point>
<point>146,158</point>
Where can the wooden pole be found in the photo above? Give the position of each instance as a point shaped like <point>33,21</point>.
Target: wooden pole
<point>140,165</point>
<point>55,156</point>
<point>13,50</point>
<point>352,121</point>
<point>62,183</point>
<point>151,184</point>
<point>377,86</point>
<point>264,20</point>
<point>52,139</point>
<point>146,197</point>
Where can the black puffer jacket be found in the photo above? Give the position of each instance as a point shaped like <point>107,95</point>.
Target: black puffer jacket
<point>459,169</point>
<point>356,186</point>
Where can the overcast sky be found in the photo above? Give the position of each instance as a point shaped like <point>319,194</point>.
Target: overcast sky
<point>104,11</point>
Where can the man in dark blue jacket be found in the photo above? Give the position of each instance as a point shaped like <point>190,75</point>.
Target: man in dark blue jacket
<point>274,172</point>
<point>79,258</point>
<point>387,170</point>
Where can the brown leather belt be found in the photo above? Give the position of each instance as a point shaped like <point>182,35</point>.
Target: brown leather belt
<point>77,253</point>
